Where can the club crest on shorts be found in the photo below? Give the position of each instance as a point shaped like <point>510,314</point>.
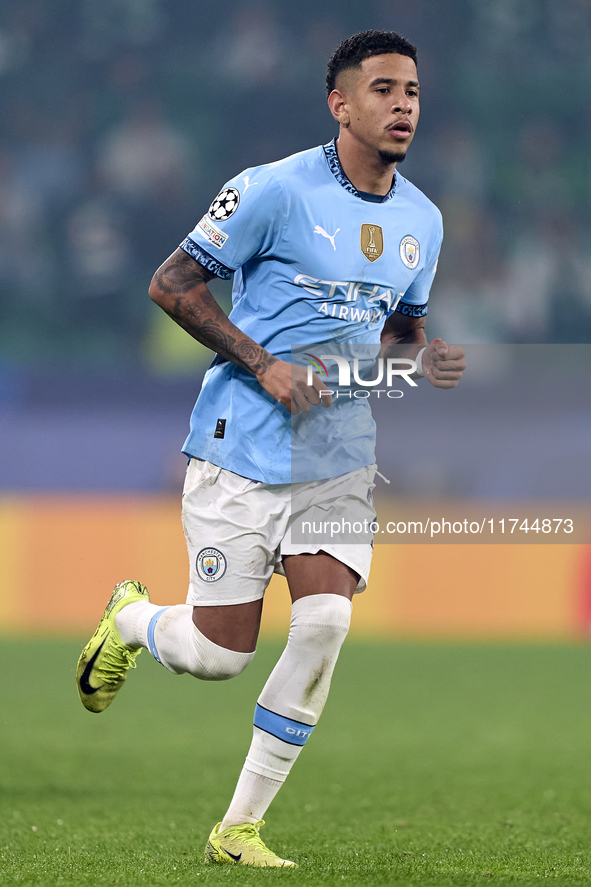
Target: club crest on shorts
<point>409,251</point>
<point>211,564</point>
<point>224,205</point>
<point>372,242</point>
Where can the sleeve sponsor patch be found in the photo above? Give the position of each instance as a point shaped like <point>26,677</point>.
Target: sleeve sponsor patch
<point>224,205</point>
<point>213,234</point>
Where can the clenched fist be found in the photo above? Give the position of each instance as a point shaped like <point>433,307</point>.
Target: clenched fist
<point>443,364</point>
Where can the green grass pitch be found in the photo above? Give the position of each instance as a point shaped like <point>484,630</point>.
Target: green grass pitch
<point>432,764</point>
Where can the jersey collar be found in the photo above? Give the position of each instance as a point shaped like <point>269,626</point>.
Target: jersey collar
<point>334,164</point>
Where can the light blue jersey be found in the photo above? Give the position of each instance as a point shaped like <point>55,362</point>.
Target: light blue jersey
<point>314,261</point>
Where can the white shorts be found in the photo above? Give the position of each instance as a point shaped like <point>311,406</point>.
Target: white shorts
<point>237,530</point>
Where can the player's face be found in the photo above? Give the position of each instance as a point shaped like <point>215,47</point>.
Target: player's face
<point>382,102</point>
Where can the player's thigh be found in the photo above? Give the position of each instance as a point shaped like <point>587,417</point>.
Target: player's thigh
<point>318,573</point>
<point>232,528</point>
<point>233,627</point>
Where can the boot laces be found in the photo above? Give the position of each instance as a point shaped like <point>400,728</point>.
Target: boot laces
<point>116,660</point>
<point>248,833</point>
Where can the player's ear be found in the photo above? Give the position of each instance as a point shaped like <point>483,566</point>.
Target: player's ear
<point>337,103</point>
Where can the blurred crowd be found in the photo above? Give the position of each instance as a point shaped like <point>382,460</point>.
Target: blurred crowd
<point>122,119</point>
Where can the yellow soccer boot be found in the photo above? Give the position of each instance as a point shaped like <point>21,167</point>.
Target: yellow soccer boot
<point>242,845</point>
<point>105,660</point>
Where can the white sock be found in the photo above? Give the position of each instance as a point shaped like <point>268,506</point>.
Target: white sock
<point>291,702</point>
<point>132,622</point>
<point>171,636</point>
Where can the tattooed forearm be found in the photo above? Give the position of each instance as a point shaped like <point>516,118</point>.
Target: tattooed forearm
<point>179,287</point>
<point>240,349</point>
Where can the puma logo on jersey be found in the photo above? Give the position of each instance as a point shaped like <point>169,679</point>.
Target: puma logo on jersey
<point>319,230</point>
<point>247,183</point>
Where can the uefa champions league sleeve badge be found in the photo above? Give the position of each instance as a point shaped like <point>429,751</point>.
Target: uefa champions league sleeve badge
<point>211,564</point>
<point>224,205</point>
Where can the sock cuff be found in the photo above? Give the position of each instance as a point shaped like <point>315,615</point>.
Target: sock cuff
<point>322,609</point>
<point>270,757</point>
<point>266,772</point>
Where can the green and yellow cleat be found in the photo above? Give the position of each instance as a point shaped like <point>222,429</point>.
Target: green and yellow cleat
<point>242,845</point>
<point>105,660</point>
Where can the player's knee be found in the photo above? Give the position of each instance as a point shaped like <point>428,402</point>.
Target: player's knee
<point>214,663</point>
<point>227,664</point>
<point>321,620</point>
<point>321,637</point>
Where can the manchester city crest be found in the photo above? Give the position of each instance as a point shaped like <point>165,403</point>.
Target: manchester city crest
<point>409,251</point>
<point>211,564</point>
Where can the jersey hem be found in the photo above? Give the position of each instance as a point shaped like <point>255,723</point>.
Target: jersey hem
<point>276,483</point>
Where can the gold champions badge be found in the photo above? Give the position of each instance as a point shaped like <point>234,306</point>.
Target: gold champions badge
<point>372,242</point>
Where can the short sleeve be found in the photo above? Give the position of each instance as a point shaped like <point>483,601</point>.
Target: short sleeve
<point>244,221</point>
<point>414,302</point>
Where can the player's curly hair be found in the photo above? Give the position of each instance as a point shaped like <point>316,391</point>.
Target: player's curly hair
<point>358,47</point>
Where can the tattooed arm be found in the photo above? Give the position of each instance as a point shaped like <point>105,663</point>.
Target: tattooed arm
<point>179,287</point>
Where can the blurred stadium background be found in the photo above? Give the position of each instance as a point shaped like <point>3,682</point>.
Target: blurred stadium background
<point>120,121</point>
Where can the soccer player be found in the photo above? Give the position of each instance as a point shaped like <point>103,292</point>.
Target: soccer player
<point>329,245</point>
